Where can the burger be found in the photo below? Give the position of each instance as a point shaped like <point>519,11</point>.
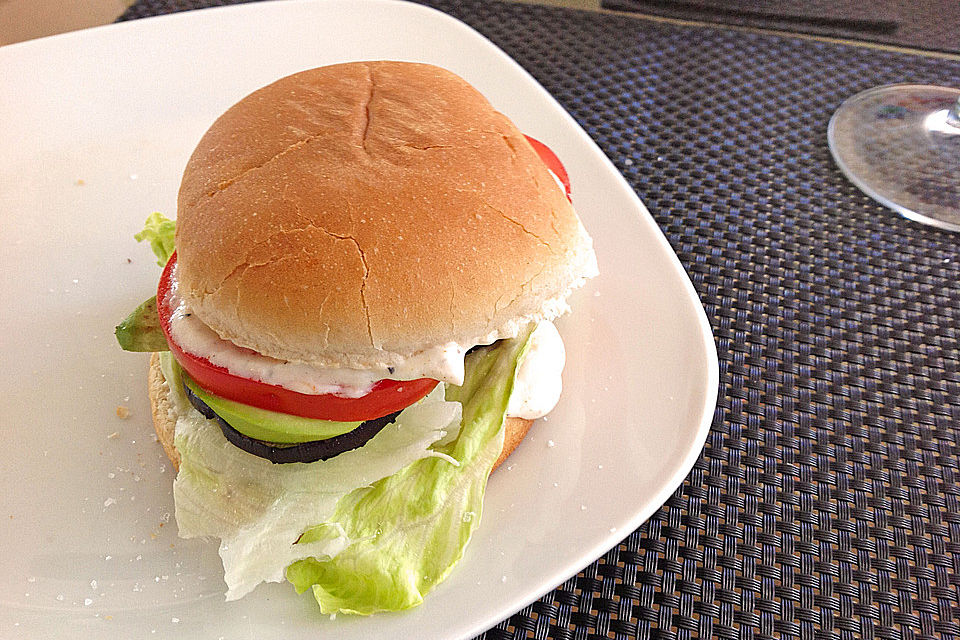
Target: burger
<point>353,326</point>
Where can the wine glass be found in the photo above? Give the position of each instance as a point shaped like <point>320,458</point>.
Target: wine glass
<point>901,145</point>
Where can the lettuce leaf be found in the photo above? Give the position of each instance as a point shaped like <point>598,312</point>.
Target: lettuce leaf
<point>407,531</point>
<point>259,510</point>
<point>159,230</point>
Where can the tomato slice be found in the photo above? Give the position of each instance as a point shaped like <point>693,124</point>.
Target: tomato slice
<point>552,161</point>
<point>386,396</point>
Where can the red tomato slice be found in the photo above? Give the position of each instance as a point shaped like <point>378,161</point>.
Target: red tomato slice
<point>552,161</point>
<point>386,396</point>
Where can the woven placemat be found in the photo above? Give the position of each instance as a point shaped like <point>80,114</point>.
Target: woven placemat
<point>921,24</point>
<point>826,501</point>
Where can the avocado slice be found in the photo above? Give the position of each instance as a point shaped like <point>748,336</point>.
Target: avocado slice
<point>140,331</point>
<point>269,426</point>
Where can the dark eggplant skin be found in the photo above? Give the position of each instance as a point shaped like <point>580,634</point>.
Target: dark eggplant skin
<point>302,452</point>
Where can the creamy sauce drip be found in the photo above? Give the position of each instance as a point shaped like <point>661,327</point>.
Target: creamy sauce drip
<point>538,385</point>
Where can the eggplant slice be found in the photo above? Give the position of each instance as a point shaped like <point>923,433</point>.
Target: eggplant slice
<point>301,452</point>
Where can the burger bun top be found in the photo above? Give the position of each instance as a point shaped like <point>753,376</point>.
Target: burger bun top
<point>360,213</point>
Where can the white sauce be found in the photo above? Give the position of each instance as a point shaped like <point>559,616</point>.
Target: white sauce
<point>538,386</point>
<point>535,393</point>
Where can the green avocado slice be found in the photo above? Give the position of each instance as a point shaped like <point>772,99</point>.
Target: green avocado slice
<point>269,426</point>
<point>140,331</point>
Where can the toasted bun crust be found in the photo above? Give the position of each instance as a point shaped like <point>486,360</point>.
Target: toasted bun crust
<point>165,418</point>
<point>356,214</point>
<point>515,430</point>
<point>164,415</point>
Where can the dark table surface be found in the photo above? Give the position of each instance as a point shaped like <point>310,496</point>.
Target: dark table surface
<point>922,24</point>
<point>826,502</point>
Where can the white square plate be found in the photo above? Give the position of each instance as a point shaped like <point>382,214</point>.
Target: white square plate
<point>96,127</point>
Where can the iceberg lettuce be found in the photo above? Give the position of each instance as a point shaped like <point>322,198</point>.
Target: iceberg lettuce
<point>259,509</point>
<point>408,530</point>
<point>160,231</point>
